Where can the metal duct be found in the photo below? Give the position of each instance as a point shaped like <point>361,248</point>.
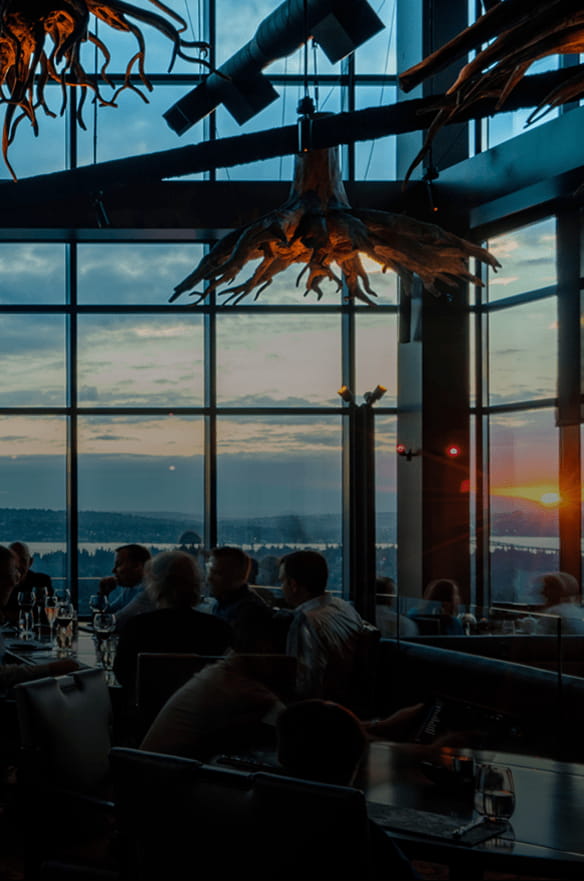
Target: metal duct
<point>339,27</point>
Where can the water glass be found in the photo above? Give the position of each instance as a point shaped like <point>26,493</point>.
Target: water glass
<point>106,640</point>
<point>494,792</point>
<point>26,601</point>
<point>41,596</point>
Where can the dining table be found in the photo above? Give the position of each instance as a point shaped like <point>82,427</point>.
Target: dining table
<point>41,649</point>
<point>424,798</point>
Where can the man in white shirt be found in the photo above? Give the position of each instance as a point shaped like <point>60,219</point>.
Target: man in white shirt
<point>125,588</point>
<point>324,631</point>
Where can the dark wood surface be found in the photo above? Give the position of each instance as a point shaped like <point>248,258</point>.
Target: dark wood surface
<point>545,836</point>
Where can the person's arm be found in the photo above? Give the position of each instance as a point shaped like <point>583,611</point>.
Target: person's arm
<point>12,674</point>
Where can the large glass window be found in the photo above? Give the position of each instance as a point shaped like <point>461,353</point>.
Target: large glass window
<point>523,452</point>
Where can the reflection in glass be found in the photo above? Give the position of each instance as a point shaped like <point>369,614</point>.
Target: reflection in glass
<point>134,127</point>
<point>523,352</point>
<point>376,355</point>
<point>133,274</point>
<point>525,502</point>
<point>33,473</point>
<point>43,153</point>
<point>280,113</point>
<point>140,480</point>
<point>527,257</point>
<point>386,494</point>
<point>140,360</point>
<point>279,487</point>
<point>32,360</point>
<point>375,160</point>
<point>32,273</point>
<point>378,55</point>
<point>278,360</point>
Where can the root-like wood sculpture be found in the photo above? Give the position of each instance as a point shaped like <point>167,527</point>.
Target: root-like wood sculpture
<point>318,227</point>
<point>520,33</point>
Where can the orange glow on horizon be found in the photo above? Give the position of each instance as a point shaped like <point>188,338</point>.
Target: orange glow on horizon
<point>545,493</point>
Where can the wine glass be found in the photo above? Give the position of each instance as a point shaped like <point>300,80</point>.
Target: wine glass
<point>51,609</point>
<point>104,625</point>
<point>41,596</point>
<point>495,792</point>
<point>64,620</point>
<point>98,602</point>
<point>26,601</point>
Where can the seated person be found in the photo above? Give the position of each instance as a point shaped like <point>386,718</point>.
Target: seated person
<point>442,598</point>
<point>125,588</point>
<point>323,741</point>
<point>561,598</point>
<point>28,580</point>
<point>387,619</point>
<point>228,571</point>
<point>173,586</point>
<point>324,630</point>
<point>11,674</point>
<point>226,707</point>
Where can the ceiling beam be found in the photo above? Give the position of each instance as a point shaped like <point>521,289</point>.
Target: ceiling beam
<point>95,181</point>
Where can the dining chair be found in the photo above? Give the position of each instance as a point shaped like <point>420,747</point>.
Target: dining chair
<point>64,787</point>
<point>179,818</point>
<point>159,675</point>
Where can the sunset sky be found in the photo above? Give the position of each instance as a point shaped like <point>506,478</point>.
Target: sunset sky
<point>281,464</point>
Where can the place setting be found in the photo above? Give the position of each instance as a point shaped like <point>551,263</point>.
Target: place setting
<point>485,792</point>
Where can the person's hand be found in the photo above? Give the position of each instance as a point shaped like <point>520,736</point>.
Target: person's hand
<point>107,584</point>
<point>63,666</point>
<point>397,726</point>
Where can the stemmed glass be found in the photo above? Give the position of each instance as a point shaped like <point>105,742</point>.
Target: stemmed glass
<point>65,625</point>
<point>51,609</point>
<point>41,596</point>
<point>98,602</point>
<point>104,625</point>
<point>26,601</point>
<point>494,792</point>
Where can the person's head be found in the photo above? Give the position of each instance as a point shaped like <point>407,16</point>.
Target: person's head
<point>320,740</point>
<point>173,580</point>
<point>444,591</point>
<point>23,557</point>
<point>9,574</point>
<point>129,564</point>
<point>303,574</point>
<point>557,587</point>
<point>385,590</point>
<point>228,569</point>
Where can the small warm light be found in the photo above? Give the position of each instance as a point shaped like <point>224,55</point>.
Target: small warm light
<point>550,499</point>
<point>346,394</point>
<point>453,451</point>
<point>377,393</point>
<point>172,467</point>
<point>464,486</point>
<point>401,449</point>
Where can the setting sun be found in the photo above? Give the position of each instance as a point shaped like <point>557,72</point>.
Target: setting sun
<point>545,494</point>
<point>550,499</point>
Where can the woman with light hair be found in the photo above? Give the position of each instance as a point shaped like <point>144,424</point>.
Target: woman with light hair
<point>173,583</point>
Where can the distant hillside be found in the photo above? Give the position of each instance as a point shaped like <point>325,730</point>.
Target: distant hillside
<point>510,517</point>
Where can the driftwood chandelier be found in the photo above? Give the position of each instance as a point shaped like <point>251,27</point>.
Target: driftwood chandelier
<point>40,40</point>
<point>509,37</point>
<point>317,226</point>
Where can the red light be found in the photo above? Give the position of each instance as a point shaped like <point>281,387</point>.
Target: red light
<point>401,449</point>
<point>452,451</point>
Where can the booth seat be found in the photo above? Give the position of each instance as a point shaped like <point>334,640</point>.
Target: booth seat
<point>508,706</point>
<point>544,651</point>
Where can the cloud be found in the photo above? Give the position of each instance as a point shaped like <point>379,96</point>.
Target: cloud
<point>88,393</point>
